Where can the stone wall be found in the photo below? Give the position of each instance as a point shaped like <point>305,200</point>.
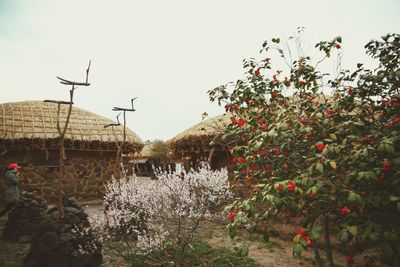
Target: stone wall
<point>85,172</point>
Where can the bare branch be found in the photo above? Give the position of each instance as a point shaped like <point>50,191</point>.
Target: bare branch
<point>68,82</point>
<point>59,102</point>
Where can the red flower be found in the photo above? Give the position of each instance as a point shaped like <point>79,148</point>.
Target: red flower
<point>251,102</point>
<point>312,194</point>
<point>257,73</point>
<point>395,104</point>
<point>345,210</point>
<point>349,259</point>
<point>234,159</point>
<point>274,94</point>
<point>330,112</point>
<point>291,186</point>
<point>234,120</point>
<point>264,127</point>
<point>241,122</point>
<point>300,231</point>
<point>285,165</point>
<point>396,119</point>
<point>279,187</point>
<point>227,107</point>
<point>386,166</point>
<point>242,160</point>
<point>320,147</point>
<point>383,102</point>
<point>260,122</point>
<point>276,151</point>
<point>301,82</point>
<point>338,46</point>
<point>230,217</point>
<point>249,179</point>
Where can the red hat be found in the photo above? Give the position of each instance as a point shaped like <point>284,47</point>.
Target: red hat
<point>14,166</point>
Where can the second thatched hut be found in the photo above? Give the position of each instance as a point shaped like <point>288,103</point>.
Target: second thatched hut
<point>202,143</point>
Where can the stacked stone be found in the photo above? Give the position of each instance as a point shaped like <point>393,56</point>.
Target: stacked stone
<point>65,241</point>
<point>24,221</point>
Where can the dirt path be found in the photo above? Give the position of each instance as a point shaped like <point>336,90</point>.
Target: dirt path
<point>276,253</point>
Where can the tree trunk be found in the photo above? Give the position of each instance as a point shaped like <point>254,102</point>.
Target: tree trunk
<point>328,248</point>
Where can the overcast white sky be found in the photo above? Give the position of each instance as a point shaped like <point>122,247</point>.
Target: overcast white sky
<point>168,53</point>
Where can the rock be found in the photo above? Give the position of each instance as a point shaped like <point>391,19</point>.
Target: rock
<point>58,243</point>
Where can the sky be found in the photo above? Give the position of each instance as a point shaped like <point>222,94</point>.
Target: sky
<point>168,54</point>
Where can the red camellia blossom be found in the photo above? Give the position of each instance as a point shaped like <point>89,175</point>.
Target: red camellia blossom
<point>291,186</point>
<point>345,210</point>
<point>320,147</point>
<point>384,102</point>
<point>227,107</point>
<point>260,122</point>
<point>300,231</point>
<point>274,94</point>
<point>349,258</point>
<point>386,166</point>
<point>234,159</point>
<point>251,102</point>
<point>241,122</point>
<point>276,151</point>
<point>234,120</point>
<point>257,73</point>
<point>312,194</point>
<point>330,112</point>
<point>396,119</point>
<point>264,127</point>
<point>301,82</point>
<point>395,104</point>
<point>249,179</point>
<point>338,46</point>
<point>242,160</point>
<point>230,217</point>
<point>279,187</point>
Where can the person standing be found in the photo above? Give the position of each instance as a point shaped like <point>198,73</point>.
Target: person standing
<point>11,176</point>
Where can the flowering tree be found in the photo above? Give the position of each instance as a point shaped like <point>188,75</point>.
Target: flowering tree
<point>150,215</point>
<point>333,161</point>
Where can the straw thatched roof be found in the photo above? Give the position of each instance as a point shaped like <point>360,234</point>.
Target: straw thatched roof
<point>198,137</point>
<point>36,121</point>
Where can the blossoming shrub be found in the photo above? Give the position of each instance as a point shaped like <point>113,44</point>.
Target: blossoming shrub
<point>150,215</point>
<point>332,160</point>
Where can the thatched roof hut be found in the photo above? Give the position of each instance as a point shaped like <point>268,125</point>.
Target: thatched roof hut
<point>33,124</point>
<point>29,136</point>
<point>202,142</point>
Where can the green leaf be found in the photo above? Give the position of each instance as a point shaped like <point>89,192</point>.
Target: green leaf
<point>297,249</point>
<point>394,198</point>
<point>333,137</point>
<point>344,236</point>
<point>353,230</point>
<point>319,167</point>
<point>353,197</point>
<point>232,232</point>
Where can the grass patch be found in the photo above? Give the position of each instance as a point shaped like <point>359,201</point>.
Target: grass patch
<point>200,254</point>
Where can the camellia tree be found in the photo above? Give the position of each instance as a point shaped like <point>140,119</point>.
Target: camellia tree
<point>331,159</point>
